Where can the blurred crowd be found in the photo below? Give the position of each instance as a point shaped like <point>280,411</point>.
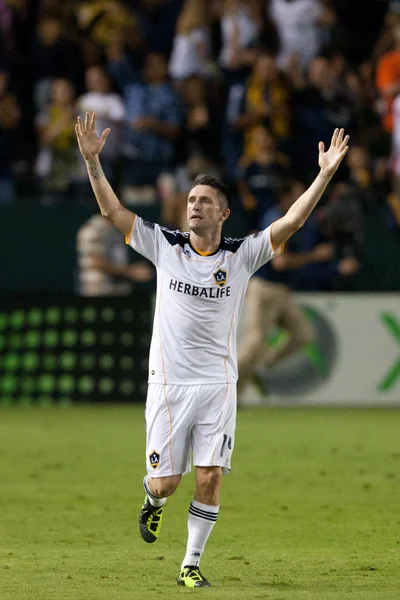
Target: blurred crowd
<point>243,89</point>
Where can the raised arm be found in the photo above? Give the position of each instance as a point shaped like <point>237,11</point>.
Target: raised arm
<point>298,213</point>
<point>90,146</point>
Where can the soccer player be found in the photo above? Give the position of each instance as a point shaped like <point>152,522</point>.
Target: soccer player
<point>201,283</point>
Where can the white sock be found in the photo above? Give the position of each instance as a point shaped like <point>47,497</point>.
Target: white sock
<point>154,501</point>
<point>201,521</point>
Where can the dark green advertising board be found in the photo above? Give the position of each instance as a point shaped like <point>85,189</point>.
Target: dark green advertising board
<point>65,349</point>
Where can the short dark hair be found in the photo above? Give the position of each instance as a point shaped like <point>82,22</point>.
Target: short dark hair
<point>214,183</point>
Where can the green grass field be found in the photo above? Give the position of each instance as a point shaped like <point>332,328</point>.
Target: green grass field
<point>310,510</point>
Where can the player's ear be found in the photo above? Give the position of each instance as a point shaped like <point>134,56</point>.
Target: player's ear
<point>225,214</point>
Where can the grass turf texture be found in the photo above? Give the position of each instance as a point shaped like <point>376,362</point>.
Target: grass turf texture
<point>311,509</point>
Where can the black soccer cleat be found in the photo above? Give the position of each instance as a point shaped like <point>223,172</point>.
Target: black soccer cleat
<point>150,520</point>
<point>191,577</point>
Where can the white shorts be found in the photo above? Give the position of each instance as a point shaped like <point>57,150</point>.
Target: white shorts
<point>185,418</point>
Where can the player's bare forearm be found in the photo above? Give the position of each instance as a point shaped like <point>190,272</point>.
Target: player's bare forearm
<point>299,212</point>
<point>110,206</point>
<point>90,147</point>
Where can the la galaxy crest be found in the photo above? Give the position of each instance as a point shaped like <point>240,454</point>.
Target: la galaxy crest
<point>154,459</point>
<point>220,277</point>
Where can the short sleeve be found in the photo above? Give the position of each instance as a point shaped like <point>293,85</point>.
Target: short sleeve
<point>257,250</point>
<point>146,239</point>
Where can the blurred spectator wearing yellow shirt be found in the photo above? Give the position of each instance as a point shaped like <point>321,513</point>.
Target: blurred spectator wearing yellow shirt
<point>263,100</point>
<point>57,160</point>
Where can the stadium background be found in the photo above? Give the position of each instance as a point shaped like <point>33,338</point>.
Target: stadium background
<point>226,60</point>
<point>311,508</point>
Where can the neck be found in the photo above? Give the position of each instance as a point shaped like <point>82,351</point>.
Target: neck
<point>206,242</point>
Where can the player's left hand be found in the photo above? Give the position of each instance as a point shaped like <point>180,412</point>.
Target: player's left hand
<point>330,160</point>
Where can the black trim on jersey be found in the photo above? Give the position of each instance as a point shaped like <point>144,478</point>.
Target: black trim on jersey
<point>231,244</point>
<point>148,224</point>
<point>176,237</point>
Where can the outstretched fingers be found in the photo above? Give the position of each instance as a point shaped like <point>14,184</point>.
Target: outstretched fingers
<point>344,152</point>
<point>80,126</point>
<point>105,134</point>
<point>344,143</point>
<point>334,137</point>
<point>93,122</point>
<point>86,126</point>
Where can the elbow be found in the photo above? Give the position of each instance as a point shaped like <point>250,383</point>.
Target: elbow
<point>296,223</point>
<point>108,214</point>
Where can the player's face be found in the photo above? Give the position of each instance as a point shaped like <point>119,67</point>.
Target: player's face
<point>205,210</point>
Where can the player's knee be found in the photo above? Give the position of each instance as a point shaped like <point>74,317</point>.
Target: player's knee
<point>209,479</point>
<point>162,487</point>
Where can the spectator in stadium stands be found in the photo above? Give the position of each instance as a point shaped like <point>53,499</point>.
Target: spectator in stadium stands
<point>361,88</point>
<point>54,56</point>
<point>10,115</point>
<point>368,176</point>
<point>388,79</point>
<point>103,267</point>
<point>106,21</point>
<point>260,175</point>
<point>303,27</point>
<point>202,117</point>
<point>157,20</point>
<point>57,162</point>
<point>241,26</point>
<point>191,52</point>
<point>341,223</point>
<point>384,43</point>
<point>320,106</point>
<point>367,191</point>
<point>109,109</point>
<point>309,262</point>
<point>263,100</point>
<point>153,116</point>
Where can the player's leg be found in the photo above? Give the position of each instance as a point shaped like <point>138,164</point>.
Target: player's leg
<point>252,340</point>
<point>213,440</point>
<point>151,513</point>
<point>263,307</point>
<point>298,328</point>
<point>203,514</point>
<point>168,425</point>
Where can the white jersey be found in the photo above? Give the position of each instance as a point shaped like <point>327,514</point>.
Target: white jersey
<point>199,301</point>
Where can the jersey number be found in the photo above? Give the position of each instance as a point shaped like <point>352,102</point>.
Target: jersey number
<point>226,439</point>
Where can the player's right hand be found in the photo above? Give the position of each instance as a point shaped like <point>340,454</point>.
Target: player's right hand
<point>89,144</point>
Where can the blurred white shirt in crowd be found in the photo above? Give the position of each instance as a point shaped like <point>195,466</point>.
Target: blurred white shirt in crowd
<point>298,29</point>
<point>241,24</point>
<point>109,110</point>
<point>190,54</point>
